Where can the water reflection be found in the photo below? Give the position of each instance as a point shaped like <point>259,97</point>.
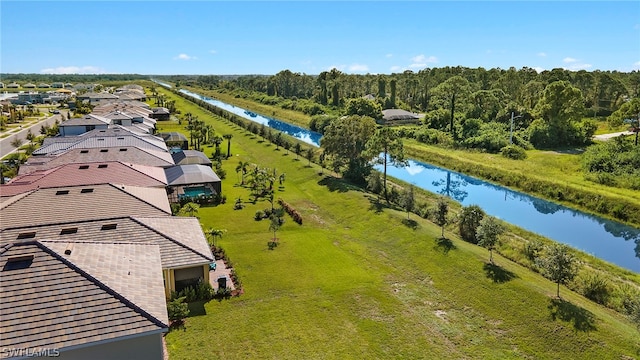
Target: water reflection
<point>451,188</point>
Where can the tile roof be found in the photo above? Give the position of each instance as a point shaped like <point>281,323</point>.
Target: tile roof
<point>190,174</point>
<point>86,174</point>
<point>103,142</point>
<point>180,239</point>
<point>78,203</point>
<point>130,155</point>
<point>50,301</point>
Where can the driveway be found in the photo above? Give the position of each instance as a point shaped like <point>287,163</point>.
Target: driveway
<point>5,143</point>
<point>605,137</point>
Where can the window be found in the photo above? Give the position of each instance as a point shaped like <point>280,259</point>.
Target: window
<point>27,235</point>
<point>68,231</point>
<point>18,262</point>
<point>109,227</point>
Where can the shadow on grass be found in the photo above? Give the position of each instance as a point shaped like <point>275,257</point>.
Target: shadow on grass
<point>444,245</point>
<point>376,206</point>
<point>338,185</point>
<point>498,274</point>
<point>410,223</point>
<point>582,319</point>
<point>196,308</point>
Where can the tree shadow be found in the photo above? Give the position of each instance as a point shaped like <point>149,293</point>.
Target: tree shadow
<point>376,206</point>
<point>410,223</point>
<point>196,308</point>
<point>582,319</point>
<point>338,185</point>
<point>444,245</point>
<point>498,274</point>
<point>177,325</point>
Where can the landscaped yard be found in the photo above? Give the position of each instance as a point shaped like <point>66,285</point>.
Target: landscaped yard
<point>355,281</point>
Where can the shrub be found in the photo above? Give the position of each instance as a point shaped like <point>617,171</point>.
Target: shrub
<point>532,249</point>
<point>177,309</point>
<point>295,215</point>
<point>259,215</point>
<point>513,152</point>
<point>595,287</point>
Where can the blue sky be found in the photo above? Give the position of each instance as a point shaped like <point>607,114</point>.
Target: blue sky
<point>241,37</point>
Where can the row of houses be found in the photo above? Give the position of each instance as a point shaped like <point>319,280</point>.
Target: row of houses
<point>89,249</point>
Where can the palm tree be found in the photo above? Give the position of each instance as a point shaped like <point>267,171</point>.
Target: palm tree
<point>217,140</point>
<point>228,137</point>
<point>242,166</point>
<point>190,208</point>
<point>213,234</point>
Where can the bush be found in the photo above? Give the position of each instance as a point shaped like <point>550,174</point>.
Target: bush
<point>513,152</point>
<point>532,249</point>
<point>295,215</point>
<point>259,215</point>
<point>177,309</point>
<point>595,287</point>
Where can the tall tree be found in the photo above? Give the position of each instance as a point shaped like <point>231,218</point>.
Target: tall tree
<point>488,232</point>
<point>386,147</point>
<point>345,141</point>
<point>559,265</point>
<point>468,222</point>
<point>455,88</point>
<point>228,137</point>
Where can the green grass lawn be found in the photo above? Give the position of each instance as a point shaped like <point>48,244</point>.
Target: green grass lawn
<point>356,282</point>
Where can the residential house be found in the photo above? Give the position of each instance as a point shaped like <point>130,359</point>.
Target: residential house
<point>29,86</point>
<point>161,113</point>
<point>184,252</point>
<point>125,154</point>
<point>399,116</point>
<point>13,85</point>
<point>80,203</point>
<point>86,174</point>
<point>81,300</point>
<point>78,126</point>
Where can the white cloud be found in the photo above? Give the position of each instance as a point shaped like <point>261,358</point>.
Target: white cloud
<point>396,68</point>
<point>569,60</point>
<point>542,54</point>
<point>538,69</point>
<point>636,65</point>
<point>389,55</point>
<point>73,70</point>
<point>578,66</point>
<point>358,68</point>
<point>421,61</point>
<point>184,57</point>
<point>212,52</point>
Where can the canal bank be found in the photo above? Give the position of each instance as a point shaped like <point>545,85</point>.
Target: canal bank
<point>613,242</point>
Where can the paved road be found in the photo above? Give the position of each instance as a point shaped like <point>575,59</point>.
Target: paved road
<point>605,137</point>
<point>5,143</point>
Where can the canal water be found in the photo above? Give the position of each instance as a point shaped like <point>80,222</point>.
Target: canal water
<point>611,241</point>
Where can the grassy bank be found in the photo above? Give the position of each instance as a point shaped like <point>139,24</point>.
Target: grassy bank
<point>291,116</point>
<point>551,175</point>
<point>356,281</point>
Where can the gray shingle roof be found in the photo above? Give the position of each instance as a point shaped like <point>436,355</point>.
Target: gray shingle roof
<point>89,119</point>
<point>52,302</point>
